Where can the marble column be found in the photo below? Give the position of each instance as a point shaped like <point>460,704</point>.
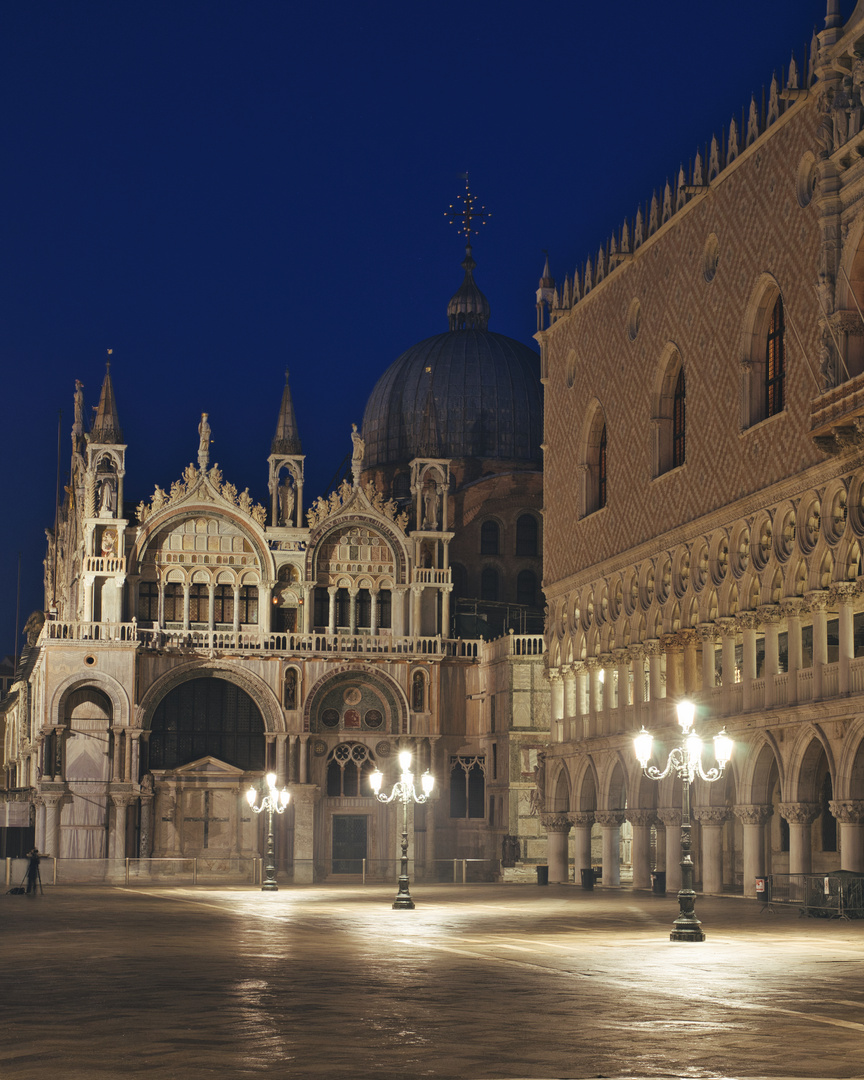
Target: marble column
<point>304,798</point>
<point>52,824</point>
<point>606,685</point>
<point>753,819</point>
<point>729,632</point>
<point>709,637</point>
<point>39,805</point>
<point>622,673</point>
<point>145,837</point>
<point>674,650</point>
<point>747,624</point>
<point>557,828</point>
<point>671,819</point>
<point>769,617</point>
<point>556,701</point>
<point>331,610</point>
<point>850,817</point>
<point>637,660</point>
<point>711,820</point>
<point>291,776</point>
<point>655,679</point>
<point>842,594</point>
<point>595,700</point>
<point>581,820</point>
<point>792,610</point>
<point>116,757</point>
<point>127,756</point>
<point>281,759</point>
<point>800,817</point>
<point>641,821</point>
<point>352,611</point>
<point>610,822</point>
<point>689,641</point>
<point>135,773</point>
<point>373,612</point>
<point>568,679</point>
<point>416,627</point>
<point>817,601</point>
<point>117,836</point>
<point>303,763</point>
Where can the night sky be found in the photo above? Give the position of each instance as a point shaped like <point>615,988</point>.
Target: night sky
<point>220,190</point>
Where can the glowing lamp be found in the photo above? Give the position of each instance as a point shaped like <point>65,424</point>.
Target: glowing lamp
<point>642,745</point>
<point>723,748</point>
<point>405,760</point>
<point>686,712</point>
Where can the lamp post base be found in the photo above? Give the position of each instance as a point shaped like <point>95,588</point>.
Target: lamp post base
<point>687,927</point>
<point>403,897</point>
<point>269,886</point>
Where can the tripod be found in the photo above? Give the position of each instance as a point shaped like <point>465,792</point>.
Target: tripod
<point>36,881</point>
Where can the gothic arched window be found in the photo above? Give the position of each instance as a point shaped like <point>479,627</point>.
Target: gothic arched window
<point>775,361</point>
<point>418,691</point>
<point>678,421</point>
<point>349,767</point>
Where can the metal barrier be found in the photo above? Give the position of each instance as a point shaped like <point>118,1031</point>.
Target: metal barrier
<point>838,895</point>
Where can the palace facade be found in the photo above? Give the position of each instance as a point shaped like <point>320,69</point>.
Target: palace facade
<point>704,498</point>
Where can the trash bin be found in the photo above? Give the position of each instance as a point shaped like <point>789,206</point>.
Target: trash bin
<point>542,875</point>
<point>658,882</point>
<point>587,878</point>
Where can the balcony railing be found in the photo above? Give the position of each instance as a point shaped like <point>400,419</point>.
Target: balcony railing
<point>252,641</point>
<point>104,564</point>
<point>425,576</point>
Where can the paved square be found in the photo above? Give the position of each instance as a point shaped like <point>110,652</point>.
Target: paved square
<point>477,982</point>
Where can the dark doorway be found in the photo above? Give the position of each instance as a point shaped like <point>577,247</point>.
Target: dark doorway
<point>349,843</point>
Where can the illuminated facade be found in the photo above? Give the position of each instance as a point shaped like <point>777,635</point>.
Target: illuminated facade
<point>199,638</point>
<point>704,497</point>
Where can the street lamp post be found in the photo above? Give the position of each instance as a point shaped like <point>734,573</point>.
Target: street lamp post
<point>403,790</point>
<point>686,760</point>
<point>274,802</point>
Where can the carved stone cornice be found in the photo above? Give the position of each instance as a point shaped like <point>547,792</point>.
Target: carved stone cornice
<point>799,813</point>
<point>608,818</point>
<point>669,816</point>
<point>641,817</point>
<point>847,811</point>
<point>711,815</point>
<point>753,814</point>
<point>582,819</point>
<point>556,823</point>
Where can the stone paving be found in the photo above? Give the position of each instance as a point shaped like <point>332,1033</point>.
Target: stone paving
<point>487,982</point>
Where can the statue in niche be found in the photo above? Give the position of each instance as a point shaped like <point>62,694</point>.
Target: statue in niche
<point>418,692</point>
<point>538,794</point>
<point>147,784</point>
<point>826,367</point>
<point>106,496</point>
<point>290,695</point>
<point>286,503</point>
<point>204,441</point>
<point>357,452</point>
<point>78,423</point>
<point>431,507</point>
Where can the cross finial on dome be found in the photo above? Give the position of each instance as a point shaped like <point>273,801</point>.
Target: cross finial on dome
<point>466,215</point>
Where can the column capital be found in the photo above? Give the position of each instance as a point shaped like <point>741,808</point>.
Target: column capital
<point>748,620</point>
<point>844,592</point>
<point>728,626</point>
<point>556,823</point>
<point>671,643</point>
<point>638,816</point>
<point>794,608</point>
<point>592,664</point>
<point>622,656</point>
<point>818,599</point>
<point>582,819</point>
<point>608,818</point>
<point>708,631</point>
<point>711,815</point>
<point>688,636</point>
<point>123,798</point>
<point>567,672</point>
<point>847,811</point>
<point>652,648</point>
<point>636,653</point>
<point>669,816</point>
<point>553,675</point>
<point>769,614</point>
<point>799,813</point>
<point>753,813</point>
<point>606,659</point>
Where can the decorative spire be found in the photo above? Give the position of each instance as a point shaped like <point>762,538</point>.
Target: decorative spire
<point>106,428</point>
<point>287,438</point>
<point>468,308</point>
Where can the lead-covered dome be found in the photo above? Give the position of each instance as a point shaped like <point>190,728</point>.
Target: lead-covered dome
<point>465,393</point>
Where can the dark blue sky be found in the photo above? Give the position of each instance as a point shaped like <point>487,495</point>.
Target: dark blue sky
<point>217,190</point>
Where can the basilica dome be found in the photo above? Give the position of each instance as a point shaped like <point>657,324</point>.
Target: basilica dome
<point>466,393</point>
